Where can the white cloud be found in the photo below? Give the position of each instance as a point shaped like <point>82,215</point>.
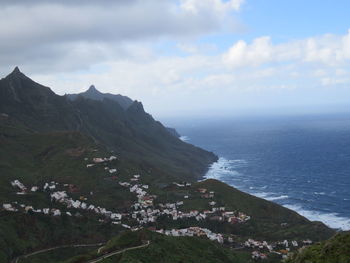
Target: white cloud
<point>242,54</point>
<point>331,50</point>
<point>69,45</point>
<point>45,33</point>
<point>208,6</point>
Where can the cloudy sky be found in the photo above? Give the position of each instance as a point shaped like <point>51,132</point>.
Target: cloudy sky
<point>186,56</point>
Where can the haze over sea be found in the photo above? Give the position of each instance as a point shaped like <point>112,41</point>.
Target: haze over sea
<point>300,162</point>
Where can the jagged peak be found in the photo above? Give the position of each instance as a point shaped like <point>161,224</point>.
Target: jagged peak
<point>16,73</point>
<point>136,106</point>
<point>16,70</point>
<point>92,88</point>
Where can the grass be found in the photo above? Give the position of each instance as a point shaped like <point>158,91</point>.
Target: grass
<point>56,256</point>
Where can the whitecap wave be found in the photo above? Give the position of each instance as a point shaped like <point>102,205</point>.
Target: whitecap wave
<point>319,193</point>
<point>223,168</point>
<point>184,138</point>
<point>273,198</point>
<point>332,220</point>
<point>270,196</point>
<point>261,194</point>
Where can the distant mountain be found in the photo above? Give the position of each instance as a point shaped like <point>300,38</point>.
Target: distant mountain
<point>129,131</point>
<point>94,94</point>
<point>124,101</point>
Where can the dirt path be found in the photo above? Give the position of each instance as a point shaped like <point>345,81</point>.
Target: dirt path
<point>118,252</point>
<point>16,260</point>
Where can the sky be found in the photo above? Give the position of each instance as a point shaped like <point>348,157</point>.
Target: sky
<point>186,57</point>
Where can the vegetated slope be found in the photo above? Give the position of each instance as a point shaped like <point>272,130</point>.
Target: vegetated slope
<point>35,158</point>
<point>130,131</point>
<point>164,249</point>
<point>334,250</point>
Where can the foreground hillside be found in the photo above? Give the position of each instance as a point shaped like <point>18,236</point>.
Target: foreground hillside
<point>335,250</point>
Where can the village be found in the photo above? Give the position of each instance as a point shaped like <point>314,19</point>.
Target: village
<point>144,211</point>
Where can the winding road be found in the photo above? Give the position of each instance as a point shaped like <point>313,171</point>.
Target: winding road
<point>16,260</point>
<point>118,252</point>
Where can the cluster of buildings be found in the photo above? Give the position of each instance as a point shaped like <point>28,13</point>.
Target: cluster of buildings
<point>182,184</point>
<point>251,243</point>
<point>20,186</point>
<point>280,247</point>
<point>143,211</point>
<point>98,160</point>
<point>15,207</point>
<point>258,255</point>
<point>205,193</point>
<point>193,231</point>
<point>59,197</point>
<point>62,197</point>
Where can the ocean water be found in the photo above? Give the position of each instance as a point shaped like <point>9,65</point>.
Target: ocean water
<point>302,163</point>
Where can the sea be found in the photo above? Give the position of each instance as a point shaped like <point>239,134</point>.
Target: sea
<point>300,162</point>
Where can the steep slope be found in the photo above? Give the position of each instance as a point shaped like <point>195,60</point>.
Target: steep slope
<point>92,93</point>
<point>131,131</point>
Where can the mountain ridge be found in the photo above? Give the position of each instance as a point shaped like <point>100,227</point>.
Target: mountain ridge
<point>92,93</point>
<point>131,131</point>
